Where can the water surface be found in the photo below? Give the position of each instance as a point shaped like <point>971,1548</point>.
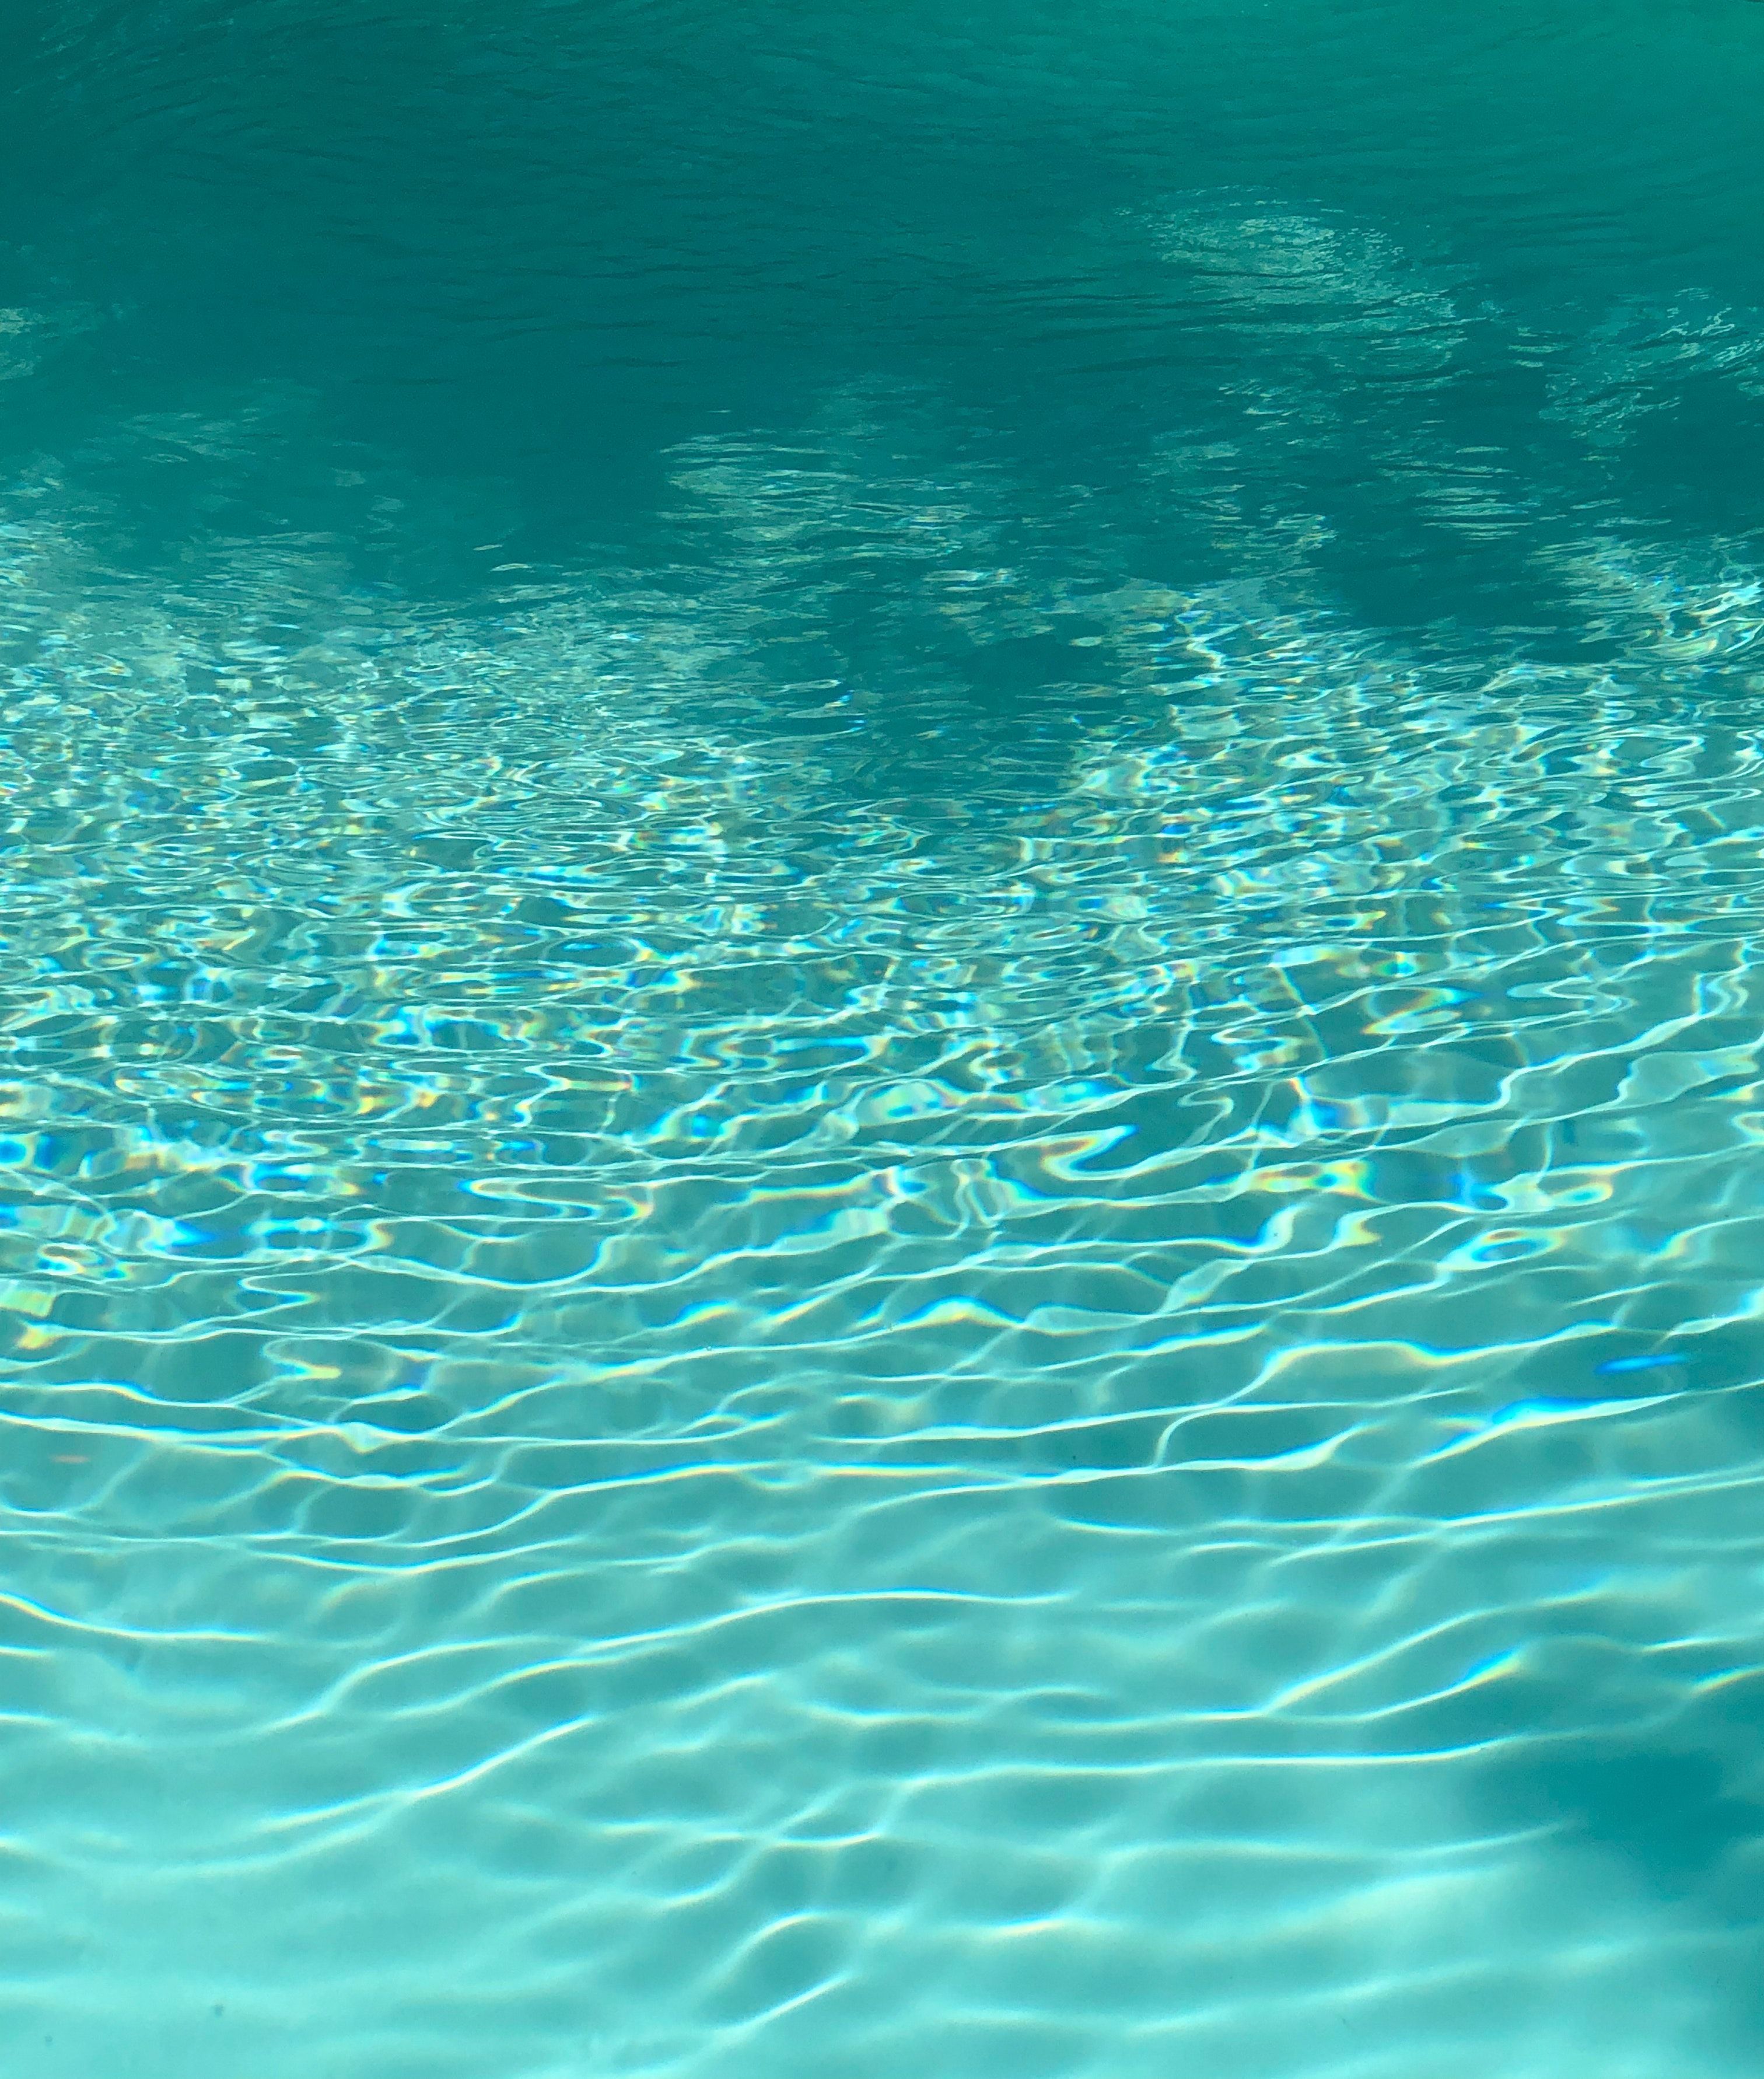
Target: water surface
<point>882,1106</point>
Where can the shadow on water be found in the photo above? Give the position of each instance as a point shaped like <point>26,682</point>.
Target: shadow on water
<point>1682,1820</point>
<point>507,268</point>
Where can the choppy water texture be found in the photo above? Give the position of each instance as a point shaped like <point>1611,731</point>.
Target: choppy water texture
<point>882,1121</point>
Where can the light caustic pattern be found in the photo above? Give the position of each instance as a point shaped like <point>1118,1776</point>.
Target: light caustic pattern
<point>675,1406</point>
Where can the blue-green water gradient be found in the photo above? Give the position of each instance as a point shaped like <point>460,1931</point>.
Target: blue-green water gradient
<point>881,1114</point>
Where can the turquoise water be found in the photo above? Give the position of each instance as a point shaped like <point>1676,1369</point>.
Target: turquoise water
<point>883,1105</point>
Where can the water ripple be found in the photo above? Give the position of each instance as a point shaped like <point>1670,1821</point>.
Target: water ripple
<point>714,1352</point>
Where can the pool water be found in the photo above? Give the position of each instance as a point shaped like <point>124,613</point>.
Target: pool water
<point>882,986</point>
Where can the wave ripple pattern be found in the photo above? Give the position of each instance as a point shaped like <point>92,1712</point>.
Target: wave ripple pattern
<point>711,1370</point>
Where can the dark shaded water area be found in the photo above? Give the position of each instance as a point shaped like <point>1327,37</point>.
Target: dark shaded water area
<point>516,256</point>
